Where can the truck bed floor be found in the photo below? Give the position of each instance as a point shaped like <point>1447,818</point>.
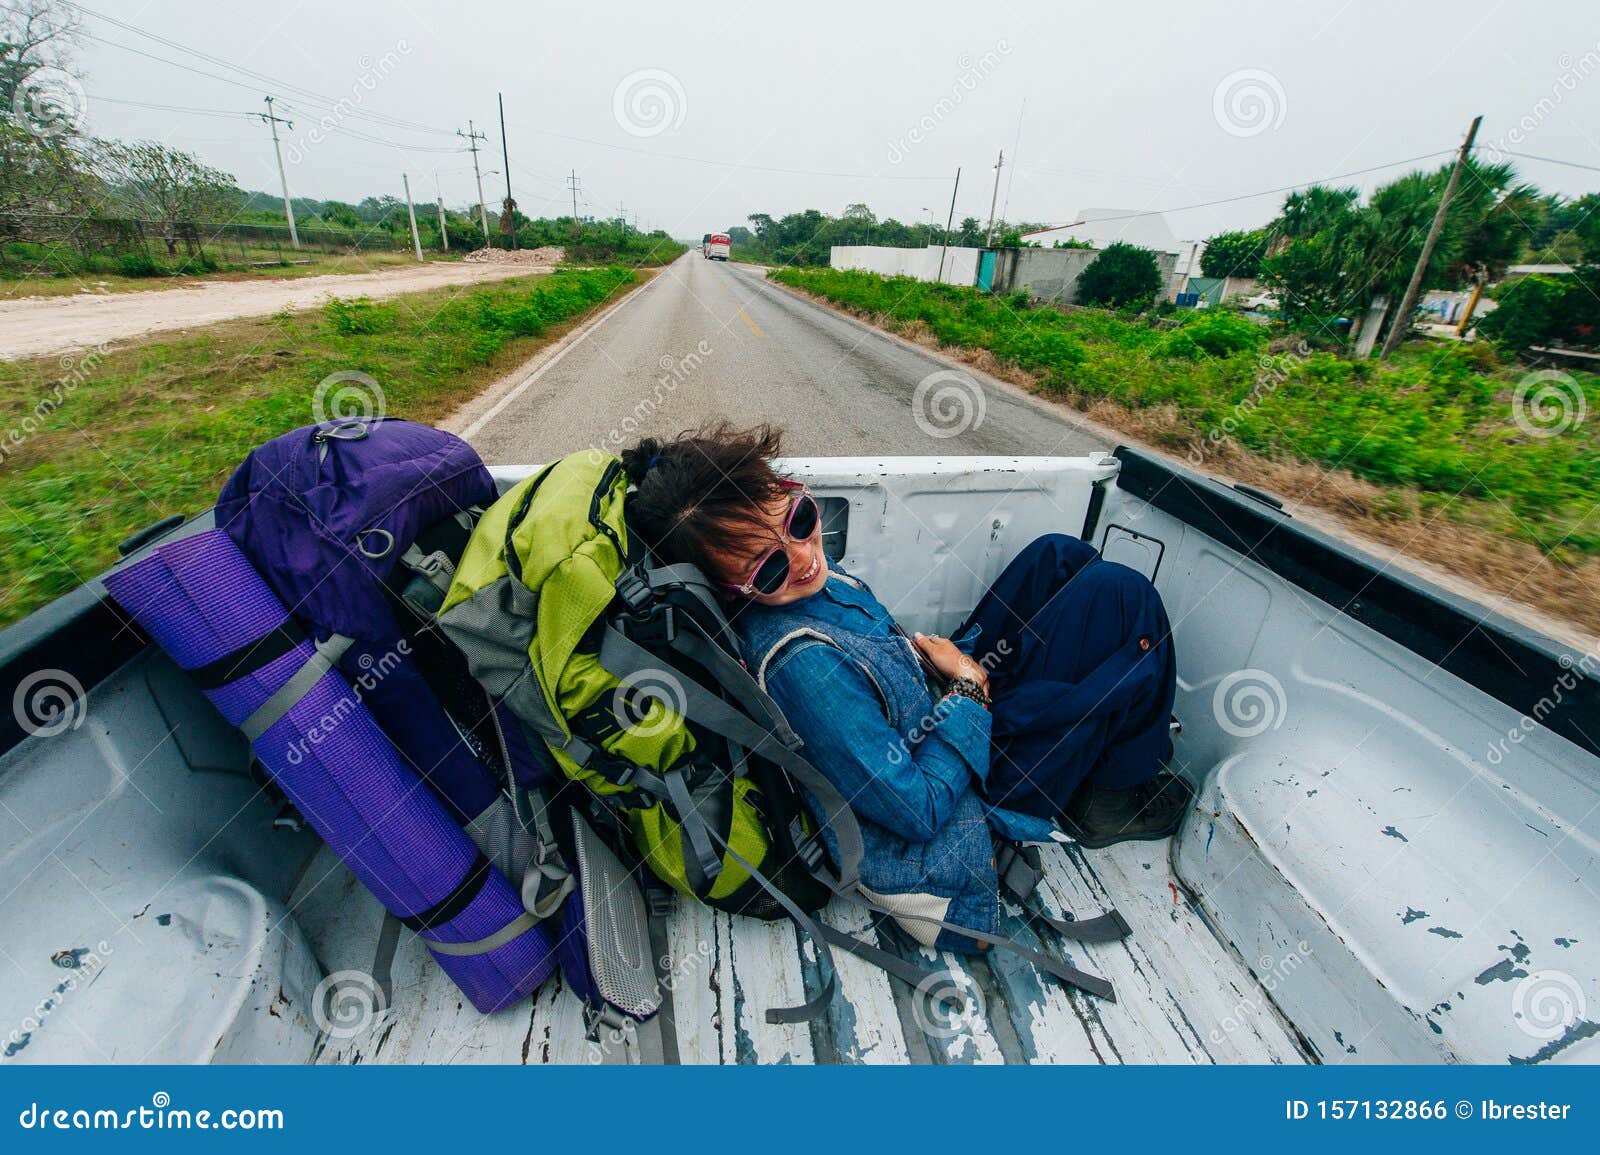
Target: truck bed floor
<point>1182,996</point>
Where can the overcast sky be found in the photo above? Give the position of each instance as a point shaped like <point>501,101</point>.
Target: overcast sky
<point>1121,104</point>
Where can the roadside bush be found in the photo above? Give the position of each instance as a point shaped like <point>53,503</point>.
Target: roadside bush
<point>1213,333</point>
<point>358,315</point>
<point>1122,275</point>
<point>1539,310</point>
<point>1440,420</point>
<point>139,265</point>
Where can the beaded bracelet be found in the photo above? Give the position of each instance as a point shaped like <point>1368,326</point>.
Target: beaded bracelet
<point>969,688</point>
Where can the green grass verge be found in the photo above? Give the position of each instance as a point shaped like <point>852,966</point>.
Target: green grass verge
<point>1439,422</point>
<point>94,446</point>
<point>109,274</point>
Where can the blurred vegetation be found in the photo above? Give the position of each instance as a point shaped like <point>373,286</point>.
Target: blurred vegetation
<point>804,238</point>
<point>96,446</point>
<point>1439,420</point>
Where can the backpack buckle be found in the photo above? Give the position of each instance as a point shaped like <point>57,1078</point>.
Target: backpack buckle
<point>656,626</point>
<point>603,1017</point>
<point>808,847</point>
<point>634,590</point>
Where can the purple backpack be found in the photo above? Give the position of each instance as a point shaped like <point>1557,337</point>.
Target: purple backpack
<point>339,518</point>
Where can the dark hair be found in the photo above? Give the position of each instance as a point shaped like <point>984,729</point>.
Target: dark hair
<point>702,491</point>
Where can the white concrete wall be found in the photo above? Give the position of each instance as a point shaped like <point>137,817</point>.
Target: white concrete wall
<point>960,265</point>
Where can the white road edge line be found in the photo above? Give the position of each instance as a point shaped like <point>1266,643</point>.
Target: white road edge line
<point>521,387</point>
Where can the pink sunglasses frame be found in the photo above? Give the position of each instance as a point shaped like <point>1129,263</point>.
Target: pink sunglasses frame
<point>748,587</point>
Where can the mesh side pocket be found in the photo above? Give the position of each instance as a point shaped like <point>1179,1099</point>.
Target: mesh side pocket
<point>500,835</point>
<point>616,926</point>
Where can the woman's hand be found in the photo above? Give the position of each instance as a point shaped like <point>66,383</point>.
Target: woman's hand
<point>949,661</point>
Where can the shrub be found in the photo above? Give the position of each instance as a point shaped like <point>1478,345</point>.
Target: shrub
<point>1121,275</point>
<point>1234,254</point>
<point>1213,333</point>
<point>359,315</point>
<point>139,265</point>
<point>1538,310</point>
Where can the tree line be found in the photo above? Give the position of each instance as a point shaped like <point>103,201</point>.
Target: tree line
<point>1328,254</point>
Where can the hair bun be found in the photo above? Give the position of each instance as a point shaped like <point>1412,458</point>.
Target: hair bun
<point>636,462</point>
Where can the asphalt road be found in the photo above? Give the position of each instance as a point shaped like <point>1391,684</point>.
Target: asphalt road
<point>708,339</point>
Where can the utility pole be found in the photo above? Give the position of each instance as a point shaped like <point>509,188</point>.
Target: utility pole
<point>444,236</point>
<point>947,223</point>
<point>623,213</point>
<point>411,211</point>
<point>988,240</point>
<point>572,181</point>
<point>283,180</point>
<point>1401,325</point>
<point>472,146</point>
<point>510,223</point>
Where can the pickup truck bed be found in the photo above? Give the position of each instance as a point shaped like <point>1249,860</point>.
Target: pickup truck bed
<point>1391,856</point>
<point>1182,997</point>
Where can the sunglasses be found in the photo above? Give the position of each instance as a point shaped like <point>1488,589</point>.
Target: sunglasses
<point>771,571</point>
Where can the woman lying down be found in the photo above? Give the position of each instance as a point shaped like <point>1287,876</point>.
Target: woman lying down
<point>1049,711</point>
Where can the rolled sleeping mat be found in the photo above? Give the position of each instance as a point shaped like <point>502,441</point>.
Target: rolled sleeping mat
<point>206,606</point>
<point>403,704</point>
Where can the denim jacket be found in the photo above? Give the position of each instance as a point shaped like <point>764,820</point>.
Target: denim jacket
<point>850,685</point>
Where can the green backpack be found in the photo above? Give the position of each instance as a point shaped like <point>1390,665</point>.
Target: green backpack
<point>627,672</point>
<point>606,660</point>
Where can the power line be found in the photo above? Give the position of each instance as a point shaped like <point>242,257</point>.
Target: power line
<point>339,128</point>
<point>168,107</point>
<point>261,77</point>
<point>378,121</point>
<point>1273,191</point>
<point>343,128</point>
<point>1550,160</point>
